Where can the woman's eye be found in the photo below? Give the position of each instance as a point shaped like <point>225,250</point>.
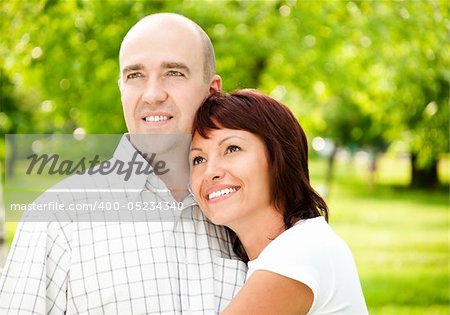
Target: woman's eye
<point>198,160</point>
<point>233,148</point>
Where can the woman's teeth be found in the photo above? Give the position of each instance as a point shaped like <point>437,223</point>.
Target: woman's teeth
<point>220,193</point>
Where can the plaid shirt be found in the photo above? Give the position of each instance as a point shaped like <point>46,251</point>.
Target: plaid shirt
<point>182,266</point>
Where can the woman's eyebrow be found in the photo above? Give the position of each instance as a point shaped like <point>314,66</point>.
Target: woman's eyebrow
<point>220,142</point>
<point>226,138</point>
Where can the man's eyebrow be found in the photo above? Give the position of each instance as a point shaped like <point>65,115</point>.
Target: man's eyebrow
<point>176,65</point>
<point>133,67</point>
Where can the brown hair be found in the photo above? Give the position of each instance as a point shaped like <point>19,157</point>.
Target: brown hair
<point>286,144</point>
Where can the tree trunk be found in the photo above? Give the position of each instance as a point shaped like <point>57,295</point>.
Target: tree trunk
<point>423,178</point>
<point>330,172</point>
<point>372,170</point>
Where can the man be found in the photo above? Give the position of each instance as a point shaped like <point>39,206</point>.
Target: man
<point>153,266</point>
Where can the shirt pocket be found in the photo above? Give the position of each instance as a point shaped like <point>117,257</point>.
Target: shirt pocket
<point>229,277</point>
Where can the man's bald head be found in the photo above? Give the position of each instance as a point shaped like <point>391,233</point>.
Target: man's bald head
<point>168,20</point>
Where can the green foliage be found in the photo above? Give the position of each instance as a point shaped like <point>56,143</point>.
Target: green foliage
<point>364,74</point>
<point>398,236</point>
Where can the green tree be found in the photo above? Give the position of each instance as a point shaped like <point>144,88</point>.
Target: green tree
<point>364,74</point>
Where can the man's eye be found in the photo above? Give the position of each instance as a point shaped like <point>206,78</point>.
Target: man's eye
<point>198,160</point>
<point>174,73</point>
<point>134,75</point>
<point>233,148</point>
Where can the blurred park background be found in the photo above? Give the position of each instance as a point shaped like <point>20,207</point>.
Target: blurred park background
<point>369,82</point>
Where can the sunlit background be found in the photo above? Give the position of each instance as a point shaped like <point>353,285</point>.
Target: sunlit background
<point>368,81</point>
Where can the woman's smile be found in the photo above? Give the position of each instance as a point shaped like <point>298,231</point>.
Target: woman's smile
<point>219,193</point>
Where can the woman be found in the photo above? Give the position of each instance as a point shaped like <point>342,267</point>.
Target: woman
<point>250,173</point>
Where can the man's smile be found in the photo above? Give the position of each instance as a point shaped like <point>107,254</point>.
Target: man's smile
<point>157,118</point>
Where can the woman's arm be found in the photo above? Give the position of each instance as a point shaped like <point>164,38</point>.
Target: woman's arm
<point>267,292</point>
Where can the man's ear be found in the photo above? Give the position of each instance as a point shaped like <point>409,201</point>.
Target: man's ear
<point>216,84</point>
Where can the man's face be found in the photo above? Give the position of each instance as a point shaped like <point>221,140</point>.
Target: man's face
<point>162,83</point>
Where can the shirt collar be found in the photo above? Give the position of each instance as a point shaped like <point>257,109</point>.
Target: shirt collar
<point>126,152</point>
<point>136,183</point>
<point>189,201</point>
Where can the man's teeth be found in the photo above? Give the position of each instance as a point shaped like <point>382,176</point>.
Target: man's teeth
<point>156,118</point>
<point>220,193</point>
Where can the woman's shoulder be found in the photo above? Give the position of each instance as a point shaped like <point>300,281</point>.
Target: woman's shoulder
<point>304,232</point>
<point>311,253</point>
<point>306,241</point>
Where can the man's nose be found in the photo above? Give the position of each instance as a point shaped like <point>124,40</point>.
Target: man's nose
<point>154,93</point>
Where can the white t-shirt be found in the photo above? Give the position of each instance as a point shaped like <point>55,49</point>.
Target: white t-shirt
<point>310,252</point>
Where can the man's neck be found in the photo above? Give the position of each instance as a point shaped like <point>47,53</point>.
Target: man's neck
<point>176,174</point>
<point>168,156</point>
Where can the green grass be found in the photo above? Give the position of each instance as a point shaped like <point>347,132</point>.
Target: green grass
<point>399,237</point>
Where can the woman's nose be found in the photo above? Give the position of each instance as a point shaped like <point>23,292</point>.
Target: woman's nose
<point>215,170</point>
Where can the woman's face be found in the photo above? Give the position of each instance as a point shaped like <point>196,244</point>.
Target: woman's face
<point>230,176</point>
